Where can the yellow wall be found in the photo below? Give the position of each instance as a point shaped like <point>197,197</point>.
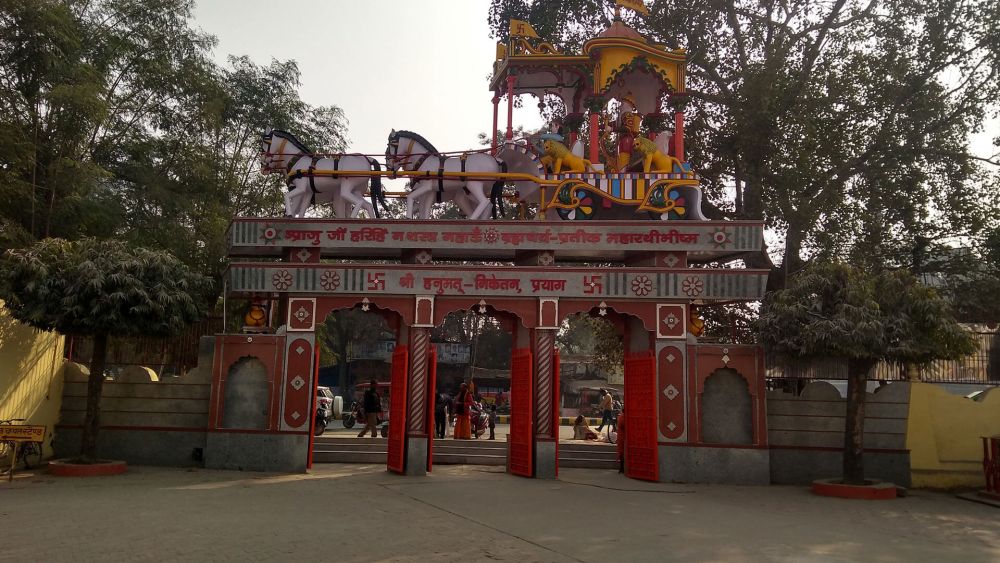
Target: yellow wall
<point>943,436</point>
<point>30,375</point>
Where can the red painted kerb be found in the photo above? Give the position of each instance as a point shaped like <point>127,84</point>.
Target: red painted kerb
<point>876,490</point>
<point>63,468</point>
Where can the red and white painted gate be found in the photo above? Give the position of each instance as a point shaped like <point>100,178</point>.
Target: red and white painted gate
<point>396,458</point>
<point>521,443</point>
<point>641,459</point>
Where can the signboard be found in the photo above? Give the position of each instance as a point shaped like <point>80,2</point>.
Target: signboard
<point>22,433</point>
<point>418,279</point>
<point>498,236</point>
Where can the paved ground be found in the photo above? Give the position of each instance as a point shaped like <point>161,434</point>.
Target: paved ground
<point>464,513</point>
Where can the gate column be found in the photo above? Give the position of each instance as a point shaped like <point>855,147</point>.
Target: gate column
<point>546,395</point>
<point>417,431</point>
<point>673,391</point>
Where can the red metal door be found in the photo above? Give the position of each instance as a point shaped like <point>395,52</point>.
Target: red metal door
<point>431,400</point>
<point>641,459</point>
<point>396,458</point>
<point>521,442</point>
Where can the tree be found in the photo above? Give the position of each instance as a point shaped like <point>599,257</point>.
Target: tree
<point>832,310</point>
<point>181,189</point>
<point>596,336</point>
<point>842,124</point>
<point>100,289</point>
<point>489,343</point>
<point>342,329</point>
<point>115,122</point>
<point>81,82</point>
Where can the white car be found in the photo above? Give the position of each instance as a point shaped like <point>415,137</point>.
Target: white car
<point>325,399</point>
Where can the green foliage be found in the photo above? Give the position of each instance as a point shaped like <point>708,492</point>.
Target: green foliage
<point>596,336</point>
<point>115,123</point>
<point>489,343</point>
<point>90,287</point>
<point>972,280</point>
<point>731,323</point>
<point>832,310</point>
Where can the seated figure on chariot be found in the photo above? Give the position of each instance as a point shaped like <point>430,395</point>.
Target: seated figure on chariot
<point>628,133</point>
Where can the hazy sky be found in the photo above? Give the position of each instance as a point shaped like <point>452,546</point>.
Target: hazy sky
<point>390,64</point>
<point>403,64</point>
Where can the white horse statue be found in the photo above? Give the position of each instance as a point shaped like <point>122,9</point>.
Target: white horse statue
<point>307,184</point>
<point>475,197</point>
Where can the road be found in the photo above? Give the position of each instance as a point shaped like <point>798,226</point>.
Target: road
<point>464,513</point>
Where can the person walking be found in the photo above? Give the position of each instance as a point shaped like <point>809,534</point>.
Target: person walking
<point>373,407</point>
<point>442,406</point>
<point>607,410</point>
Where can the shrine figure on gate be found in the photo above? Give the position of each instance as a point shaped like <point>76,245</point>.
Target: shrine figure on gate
<point>628,130</point>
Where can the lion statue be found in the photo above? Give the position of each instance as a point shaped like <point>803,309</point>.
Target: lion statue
<point>558,155</point>
<point>653,160</point>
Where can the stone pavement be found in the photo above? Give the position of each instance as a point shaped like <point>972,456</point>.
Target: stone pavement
<point>347,513</point>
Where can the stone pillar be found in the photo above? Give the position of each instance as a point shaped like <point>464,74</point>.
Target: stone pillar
<point>673,399</point>
<point>511,83</point>
<point>416,410</point>
<point>679,100</point>
<point>496,110</point>
<point>595,138</point>
<point>546,407</point>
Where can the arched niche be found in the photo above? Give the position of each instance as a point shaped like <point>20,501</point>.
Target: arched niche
<point>726,409</point>
<point>247,395</point>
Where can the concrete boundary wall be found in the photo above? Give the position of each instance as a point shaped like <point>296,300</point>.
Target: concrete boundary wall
<point>143,423</point>
<point>806,434</point>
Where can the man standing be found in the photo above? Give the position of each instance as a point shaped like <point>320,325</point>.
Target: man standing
<point>373,407</point>
<point>606,406</point>
<point>442,406</point>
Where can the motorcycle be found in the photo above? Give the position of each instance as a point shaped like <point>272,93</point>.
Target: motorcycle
<point>352,416</point>
<point>479,421</point>
<point>323,416</point>
<point>357,413</point>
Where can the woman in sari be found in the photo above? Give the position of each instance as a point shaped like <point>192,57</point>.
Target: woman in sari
<point>581,431</point>
<point>463,406</point>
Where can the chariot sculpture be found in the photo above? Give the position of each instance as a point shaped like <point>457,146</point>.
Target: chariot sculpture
<point>609,152</point>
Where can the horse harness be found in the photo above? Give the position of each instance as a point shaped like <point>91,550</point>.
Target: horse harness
<point>310,172</point>
<point>441,160</point>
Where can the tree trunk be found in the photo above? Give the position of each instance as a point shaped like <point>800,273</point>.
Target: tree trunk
<point>95,383</point>
<point>854,423</point>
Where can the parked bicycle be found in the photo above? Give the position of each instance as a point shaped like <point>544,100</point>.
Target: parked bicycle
<point>28,453</point>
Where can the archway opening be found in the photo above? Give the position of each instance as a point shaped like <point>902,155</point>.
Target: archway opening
<point>473,347</point>
<point>355,348</point>
<point>590,363</point>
